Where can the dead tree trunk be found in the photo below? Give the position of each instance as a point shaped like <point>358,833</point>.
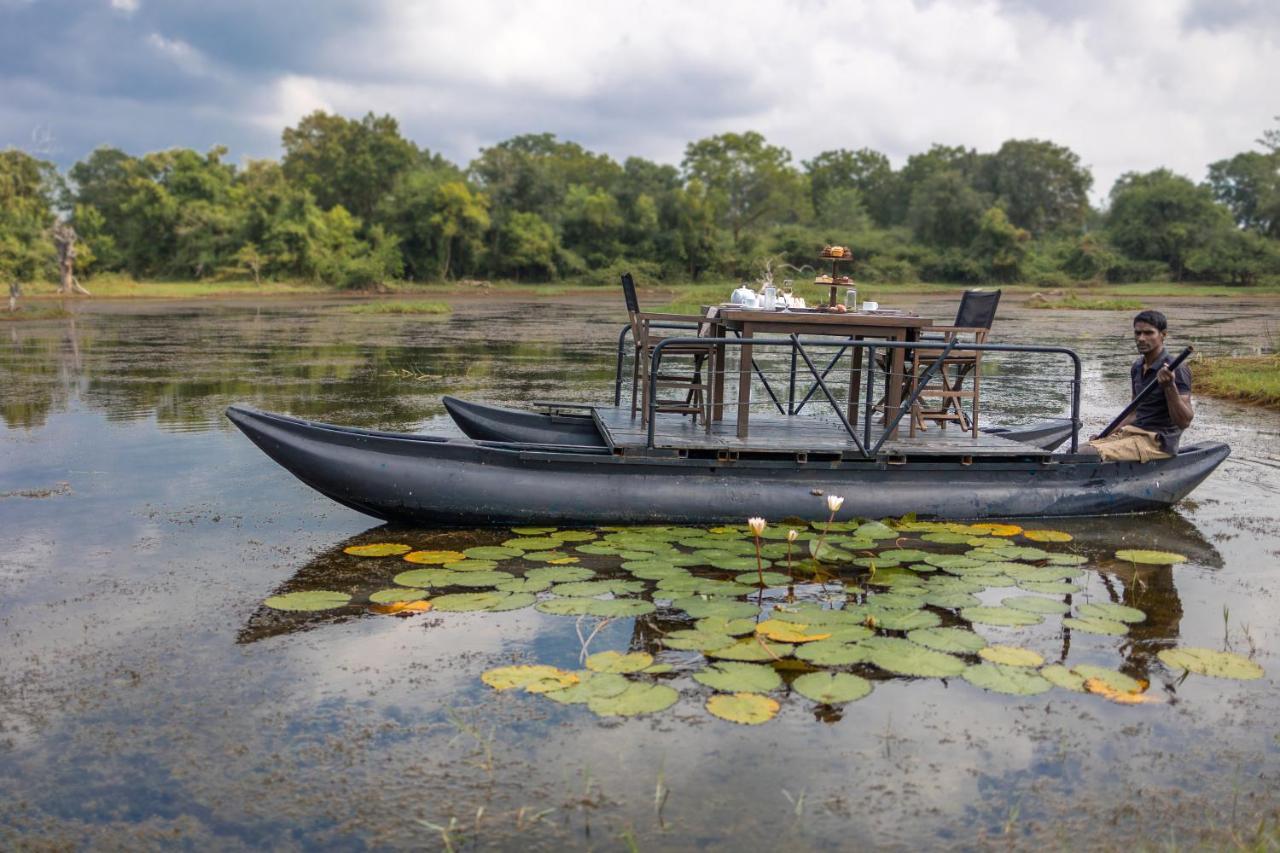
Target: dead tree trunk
<point>64,240</point>
<point>14,292</point>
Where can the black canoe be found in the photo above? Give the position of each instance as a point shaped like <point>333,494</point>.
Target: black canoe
<point>495,423</point>
<point>429,480</point>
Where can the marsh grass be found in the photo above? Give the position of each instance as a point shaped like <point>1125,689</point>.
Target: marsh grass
<point>1250,379</point>
<point>416,307</point>
<point>1075,303</point>
<point>29,311</point>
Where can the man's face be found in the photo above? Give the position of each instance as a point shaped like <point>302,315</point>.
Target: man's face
<point>1148,338</point>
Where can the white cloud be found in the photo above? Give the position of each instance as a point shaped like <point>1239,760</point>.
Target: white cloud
<point>128,7</point>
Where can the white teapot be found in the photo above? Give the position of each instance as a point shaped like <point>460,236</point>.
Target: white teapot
<point>744,297</point>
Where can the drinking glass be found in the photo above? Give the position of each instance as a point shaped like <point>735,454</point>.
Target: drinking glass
<point>788,286</point>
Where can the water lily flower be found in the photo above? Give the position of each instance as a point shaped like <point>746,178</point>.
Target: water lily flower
<point>793,535</point>
<point>757,525</point>
<point>834,502</point>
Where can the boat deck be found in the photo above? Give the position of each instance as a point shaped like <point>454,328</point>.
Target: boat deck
<point>797,434</point>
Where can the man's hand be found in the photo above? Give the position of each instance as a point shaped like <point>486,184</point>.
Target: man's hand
<point>1164,376</point>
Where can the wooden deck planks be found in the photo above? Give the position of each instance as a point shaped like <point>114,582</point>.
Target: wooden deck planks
<point>797,434</point>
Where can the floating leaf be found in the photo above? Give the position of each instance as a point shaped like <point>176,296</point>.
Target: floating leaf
<point>377,549</point>
<point>601,684</point>
<point>817,616</point>
<point>559,574</point>
<point>616,607</point>
<point>533,531</point>
<point>1151,558</point>
<point>896,601</point>
<point>1114,678</point>
<point>637,699</point>
<point>1105,690</point>
<point>1046,536</point>
<point>573,535</point>
<point>434,558</point>
<point>732,627</point>
<point>471,566</point>
<point>477,579</point>
<point>904,555</point>
<point>770,579</point>
<point>1011,656</point>
<point>1059,676</point>
<point>523,585</point>
<point>589,589</point>
<point>789,632</point>
<point>735,677</point>
<point>946,538</point>
<point>1112,612</point>
<point>748,709</point>
<point>996,529</point>
<point>1035,604</point>
<point>831,688</point>
<point>390,596</point>
<point>824,552</point>
<point>619,662</point>
<point>1093,625</point>
<point>310,600</point>
<point>833,653</point>
<point>953,640</point>
<point>702,608</point>
<point>904,657</point>
<point>522,675</point>
<point>952,600</point>
<point>751,649</point>
<point>598,549</point>
<point>1001,678</point>
<point>462,602</point>
<point>848,633</point>
<point>1003,617</point>
<point>1209,662</point>
<point>491,552</point>
<point>875,530</point>
<point>696,640</point>
<point>533,543</point>
<point>1050,587</point>
<point>1067,559</point>
<point>905,620</point>
<point>401,607</point>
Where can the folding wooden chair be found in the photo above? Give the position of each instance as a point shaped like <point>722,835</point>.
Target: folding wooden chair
<point>973,323</point>
<point>696,400</point>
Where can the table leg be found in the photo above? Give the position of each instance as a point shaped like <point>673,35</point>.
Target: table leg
<point>717,383</point>
<point>744,383</point>
<point>855,384</point>
<point>893,389</point>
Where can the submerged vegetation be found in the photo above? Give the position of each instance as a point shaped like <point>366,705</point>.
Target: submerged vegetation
<point>1077,303</point>
<point>742,618</point>
<point>400,308</point>
<point>1251,379</point>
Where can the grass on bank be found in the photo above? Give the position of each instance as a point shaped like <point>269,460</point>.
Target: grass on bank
<point>412,307</point>
<point>1075,303</point>
<point>1250,379</point>
<point>29,311</point>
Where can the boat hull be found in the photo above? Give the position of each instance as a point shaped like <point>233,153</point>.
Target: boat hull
<point>496,423</point>
<point>429,481</point>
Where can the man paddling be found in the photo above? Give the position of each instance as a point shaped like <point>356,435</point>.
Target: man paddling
<point>1152,430</point>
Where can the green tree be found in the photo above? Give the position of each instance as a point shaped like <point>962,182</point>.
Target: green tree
<point>439,221</point>
<point>337,254</point>
<point>532,174</point>
<point>945,210</point>
<point>921,168</point>
<point>28,189</point>
<point>592,224</point>
<point>689,241</point>
<point>1000,246</point>
<point>526,246</point>
<point>867,172</point>
<point>347,162</point>
<point>1249,185</point>
<point>1160,216</point>
<point>1041,186</point>
<point>750,183</point>
<point>1238,257</point>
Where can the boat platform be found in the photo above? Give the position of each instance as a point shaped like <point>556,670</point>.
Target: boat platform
<point>792,435</point>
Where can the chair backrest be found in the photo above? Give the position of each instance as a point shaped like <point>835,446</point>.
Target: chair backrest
<point>629,293</point>
<point>978,309</point>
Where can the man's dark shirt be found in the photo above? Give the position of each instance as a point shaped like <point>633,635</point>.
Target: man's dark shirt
<point>1152,413</point>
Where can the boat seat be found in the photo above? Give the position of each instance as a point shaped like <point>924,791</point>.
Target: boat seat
<point>973,323</point>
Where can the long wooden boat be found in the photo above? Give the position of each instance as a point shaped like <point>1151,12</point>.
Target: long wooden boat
<point>563,425</point>
<point>431,480</point>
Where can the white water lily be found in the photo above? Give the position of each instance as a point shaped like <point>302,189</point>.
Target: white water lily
<point>757,525</point>
<point>834,502</point>
<point>793,535</point>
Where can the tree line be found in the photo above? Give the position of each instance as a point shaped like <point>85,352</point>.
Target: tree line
<point>352,203</point>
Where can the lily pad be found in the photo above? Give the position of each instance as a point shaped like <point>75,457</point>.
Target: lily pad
<point>996,529</point>
<point>736,677</point>
<point>952,640</point>
<point>1050,587</point>
<point>611,608</point>
<point>478,579</point>
<point>389,596</point>
<point>826,553</point>
<point>423,578</point>
<point>1067,559</point>
<point>755,649</point>
<point>1036,604</point>
<point>598,549</point>
<point>378,549</point>
<point>461,602</point>
<point>559,574</point>
<point>533,543</point>
<point>1209,662</point>
<point>770,579</point>
<point>434,558</point>
<point>833,653</point>
<point>895,601</point>
<point>1000,678</point>
<point>619,662</point>
<point>696,640</point>
<point>1059,676</point>
<point>533,531</point>
<point>308,601</point>
<point>905,555</point>
<point>875,530</point>
<point>1112,678</point>
<point>790,632</point>
<point>1047,536</point>
<point>573,535</point>
<point>903,657</point>
<point>748,709</point>
<point>831,688</point>
<point>1094,625</point>
<point>1150,558</point>
<point>601,684</point>
<point>526,675</point>
<point>702,608</point>
<point>1112,612</point>
<point>590,589</point>
<point>554,558</point>
<point>946,538</point>
<point>952,600</point>
<point>1011,656</point>
<point>470,565</point>
<point>732,627</point>
<point>1003,617</point>
<point>637,699</point>
<point>491,552</point>
<point>905,620</point>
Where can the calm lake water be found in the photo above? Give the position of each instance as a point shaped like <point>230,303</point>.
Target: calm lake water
<point>148,700</point>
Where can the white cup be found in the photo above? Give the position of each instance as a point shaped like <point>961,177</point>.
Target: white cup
<point>870,306</point>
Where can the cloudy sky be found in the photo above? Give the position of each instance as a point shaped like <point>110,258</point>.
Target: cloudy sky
<point>1127,85</point>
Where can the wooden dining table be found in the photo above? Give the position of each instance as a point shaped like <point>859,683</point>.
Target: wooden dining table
<point>889,326</point>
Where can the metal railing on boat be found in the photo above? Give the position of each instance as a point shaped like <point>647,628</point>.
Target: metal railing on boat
<point>799,350</point>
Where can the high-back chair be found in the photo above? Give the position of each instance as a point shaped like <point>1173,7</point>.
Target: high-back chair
<point>973,323</point>
<point>697,389</point>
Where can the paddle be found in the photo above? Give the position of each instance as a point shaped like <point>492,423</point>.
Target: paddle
<point>1137,398</point>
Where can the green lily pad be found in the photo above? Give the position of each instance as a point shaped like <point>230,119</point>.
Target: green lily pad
<point>696,640</point>
<point>953,561</point>
<point>573,535</point>
<point>755,649</point>
<point>1067,559</point>
<point>1150,558</point>
<point>816,616</point>
<point>942,537</point>
<point>637,699</point>
<point>598,549</point>
<point>905,555</point>
<point>491,552</point>
<point>703,608</point>
<point>736,677</point>
<point>470,566</point>
<point>831,688</point>
<point>1035,604</point>
<point>1000,678</point>
<point>391,596</point>
<point>1112,612</point>
<point>906,620</point>
<point>951,640</point>
<point>875,530</point>
<point>952,600</point>
<point>523,585</point>
<point>533,543</point>
<point>732,627</point>
<point>533,531</point>
<point>461,602</point>
<point>559,574</point>
<point>478,579</point>
<point>310,600</point>
<point>895,601</point>
<point>1114,679</point>
<point>423,578</point>
<point>948,583</point>
<point>748,709</point>
<point>557,558</point>
<point>1050,587</point>
<point>377,549</point>
<point>619,662</point>
<point>903,657</point>
<point>1003,617</point>
<point>825,552</point>
<point>737,564</point>
<point>590,589</point>
<point>590,684</point>
<point>832,653</point>
<point>1059,676</point>
<point>770,579</point>
<point>616,607</point>
<point>845,633</point>
<point>1094,625</point>
<point>1011,656</point>
<point>1209,662</point>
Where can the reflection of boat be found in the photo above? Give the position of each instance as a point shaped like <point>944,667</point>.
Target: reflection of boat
<point>561,425</point>
<point>434,480</point>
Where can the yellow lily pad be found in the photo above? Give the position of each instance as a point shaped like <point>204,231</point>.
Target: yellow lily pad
<point>543,677</point>
<point>619,662</point>
<point>401,607</point>
<point>1121,697</point>
<point>1209,662</point>
<point>748,709</point>
<point>1047,536</point>
<point>1011,656</point>
<point>310,600</point>
<point>788,632</point>
<point>378,549</point>
<point>996,529</point>
<point>434,558</point>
